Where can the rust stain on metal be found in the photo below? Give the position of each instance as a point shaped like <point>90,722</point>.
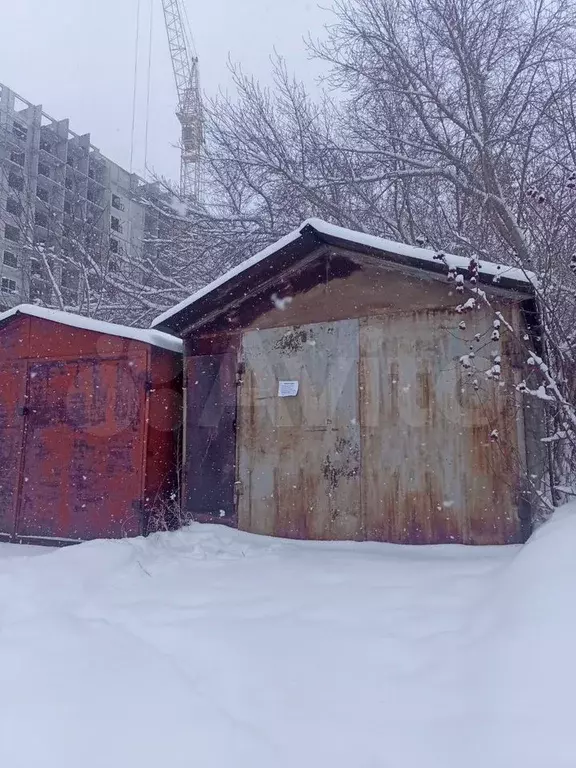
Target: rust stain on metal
<point>298,457</point>
<point>401,454</point>
<point>291,341</point>
<point>342,463</point>
<point>426,391</point>
<point>338,287</point>
<point>430,471</point>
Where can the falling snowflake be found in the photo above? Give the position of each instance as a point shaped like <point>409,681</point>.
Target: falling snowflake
<point>281,303</point>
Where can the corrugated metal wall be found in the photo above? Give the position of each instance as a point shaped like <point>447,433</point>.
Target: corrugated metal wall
<point>431,472</point>
<point>388,438</point>
<point>299,456</point>
<point>88,432</point>
<point>83,460</point>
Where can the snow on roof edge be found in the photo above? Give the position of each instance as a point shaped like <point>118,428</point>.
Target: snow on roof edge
<point>415,252</point>
<point>145,335</point>
<point>371,241</point>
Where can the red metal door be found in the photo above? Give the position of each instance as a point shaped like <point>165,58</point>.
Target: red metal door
<point>12,400</point>
<point>83,463</point>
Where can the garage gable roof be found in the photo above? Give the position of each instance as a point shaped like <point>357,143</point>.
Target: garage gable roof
<point>310,235</point>
<point>146,336</point>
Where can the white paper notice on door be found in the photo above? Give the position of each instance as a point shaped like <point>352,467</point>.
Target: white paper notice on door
<point>288,388</point>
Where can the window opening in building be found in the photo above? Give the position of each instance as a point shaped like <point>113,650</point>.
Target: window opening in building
<point>8,286</point>
<point>20,131</point>
<point>41,219</point>
<point>14,206</point>
<point>11,233</point>
<point>42,194</point>
<point>18,157</point>
<point>10,259</point>
<point>15,181</point>
<point>117,202</point>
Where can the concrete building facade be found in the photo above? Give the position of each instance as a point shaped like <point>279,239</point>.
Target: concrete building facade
<point>60,196</point>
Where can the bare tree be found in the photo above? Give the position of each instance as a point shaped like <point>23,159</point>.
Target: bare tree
<point>478,97</point>
<point>453,125</point>
<point>272,154</point>
<point>70,259</point>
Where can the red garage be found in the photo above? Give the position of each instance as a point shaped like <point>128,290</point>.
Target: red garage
<point>89,426</point>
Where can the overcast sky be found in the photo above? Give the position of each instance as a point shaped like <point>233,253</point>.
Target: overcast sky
<point>76,58</point>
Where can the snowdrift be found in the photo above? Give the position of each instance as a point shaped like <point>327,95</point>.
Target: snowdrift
<point>525,649</point>
<point>208,647</point>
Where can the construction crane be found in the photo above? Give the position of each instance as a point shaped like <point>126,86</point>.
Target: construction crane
<point>189,113</point>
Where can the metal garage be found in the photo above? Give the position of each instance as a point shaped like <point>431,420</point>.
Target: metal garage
<point>331,394</point>
<point>89,426</point>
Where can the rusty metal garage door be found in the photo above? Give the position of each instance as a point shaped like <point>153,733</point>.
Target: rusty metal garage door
<point>430,470</point>
<point>12,400</point>
<point>298,432</point>
<point>83,451</point>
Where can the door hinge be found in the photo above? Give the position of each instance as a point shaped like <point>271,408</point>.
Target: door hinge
<point>25,410</point>
<point>240,371</point>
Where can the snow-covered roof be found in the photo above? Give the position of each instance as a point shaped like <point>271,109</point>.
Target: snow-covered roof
<point>416,253</point>
<point>323,228</point>
<point>145,335</point>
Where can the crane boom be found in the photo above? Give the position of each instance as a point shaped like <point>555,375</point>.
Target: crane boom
<point>189,113</point>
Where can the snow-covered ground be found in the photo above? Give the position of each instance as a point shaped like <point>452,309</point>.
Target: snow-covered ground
<point>212,648</point>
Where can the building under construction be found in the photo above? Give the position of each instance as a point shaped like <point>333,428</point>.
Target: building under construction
<point>62,204</point>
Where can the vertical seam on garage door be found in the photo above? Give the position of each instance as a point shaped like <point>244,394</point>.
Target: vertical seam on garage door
<point>147,388</point>
<point>23,449</point>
